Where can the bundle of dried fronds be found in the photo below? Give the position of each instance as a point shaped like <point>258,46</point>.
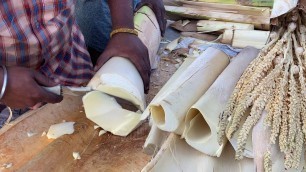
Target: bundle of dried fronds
<point>275,82</point>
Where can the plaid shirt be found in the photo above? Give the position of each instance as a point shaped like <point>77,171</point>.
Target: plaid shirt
<point>43,35</point>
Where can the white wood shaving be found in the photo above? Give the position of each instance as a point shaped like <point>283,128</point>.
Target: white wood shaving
<point>102,132</point>
<point>96,126</point>
<point>76,155</point>
<point>58,130</point>
<point>7,165</point>
<point>43,134</point>
<point>31,134</point>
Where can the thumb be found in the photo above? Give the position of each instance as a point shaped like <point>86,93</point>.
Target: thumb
<point>43,80</point>
<point>105,56</point>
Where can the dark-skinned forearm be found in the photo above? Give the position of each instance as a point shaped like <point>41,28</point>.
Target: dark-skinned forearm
<point>121,13</point>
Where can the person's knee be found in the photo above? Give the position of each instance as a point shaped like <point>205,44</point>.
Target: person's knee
<point>93,17</point>
<point>135,2</point>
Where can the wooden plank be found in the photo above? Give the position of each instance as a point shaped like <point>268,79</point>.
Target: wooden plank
<point>255,3</point>
<point>257,11</point>
<point>113,153</point>
<point>196,13</point>
<point>40,154</point>
<point>15,145</point>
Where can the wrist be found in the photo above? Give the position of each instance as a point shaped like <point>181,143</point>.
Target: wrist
<point>124,36</point>
<point>124,25</point>
<point>124,31</point>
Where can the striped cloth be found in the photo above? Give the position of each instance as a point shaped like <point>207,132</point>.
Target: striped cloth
<point>43,35</point>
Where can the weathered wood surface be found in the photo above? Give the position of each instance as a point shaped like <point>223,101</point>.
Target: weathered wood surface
<point>37,153</point>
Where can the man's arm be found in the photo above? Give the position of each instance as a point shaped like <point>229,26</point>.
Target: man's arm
<point>24,88</point>
<point>125,44</point>
<point>122,13</point>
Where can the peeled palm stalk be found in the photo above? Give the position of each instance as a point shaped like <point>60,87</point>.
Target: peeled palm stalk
<point>177,155</point>
<point>187,62</point>
<point>156,136</point>
<point>123,82</point>
<point>154,140</point>
<point>119,78</point>
<point>201,122</point>
<point>275,82</point>
<point>168,113</point>
<point>146,24</point>
<point>244,38</point>
<point>212,26</point>
<point>107,113</point>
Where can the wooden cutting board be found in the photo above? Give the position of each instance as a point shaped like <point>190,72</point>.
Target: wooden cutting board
<point>37,153</point>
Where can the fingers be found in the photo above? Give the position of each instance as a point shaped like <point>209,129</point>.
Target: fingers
<point>160,15</point>
<point>43,80</point>
<point>144,68</point>
<point>46,96</point>
<point>164,25</point>
<point>145,75</point>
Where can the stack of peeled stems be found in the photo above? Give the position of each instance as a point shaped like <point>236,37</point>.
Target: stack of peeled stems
<point>201,121</point>
<point>273,88</point>
<point>258,108</point>
<point>200,117</point>
<point>195,115</point>
<point>170,105</point>
<point>169,111</point>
